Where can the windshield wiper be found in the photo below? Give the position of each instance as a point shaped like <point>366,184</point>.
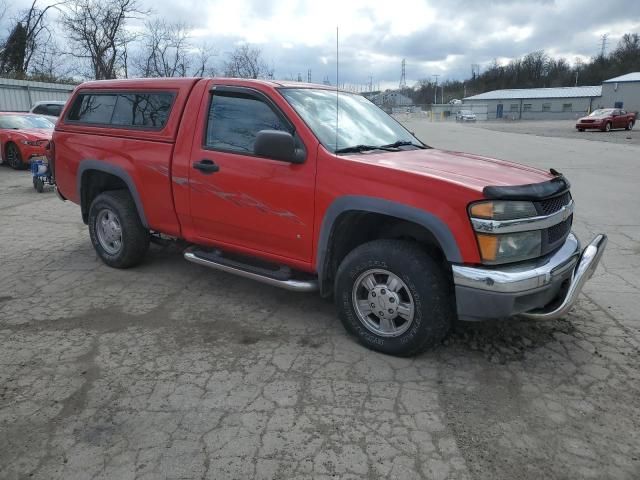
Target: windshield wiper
<point>402,143</point>
<point>359,148</point>
<point>391,147</point>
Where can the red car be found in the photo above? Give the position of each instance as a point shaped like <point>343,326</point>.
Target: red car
<point>260,181</point>
<point>23,136</point>
<point>606,119</point>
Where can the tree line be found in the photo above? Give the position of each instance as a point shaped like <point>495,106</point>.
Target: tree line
<point>91,39</point>
<point>537,70</point>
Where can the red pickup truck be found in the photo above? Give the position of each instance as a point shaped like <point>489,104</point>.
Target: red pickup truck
<point>306,188</point>
<point>606,119</point>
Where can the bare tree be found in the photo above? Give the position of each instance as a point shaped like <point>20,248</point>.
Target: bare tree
<point>96,28</point>
<point>247,62</point>
<point>165,49</point>
<point>202,61</point>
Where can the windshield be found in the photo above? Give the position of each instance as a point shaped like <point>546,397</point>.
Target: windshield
<point>466,112</point>
<point>24,122</point>
<point>602,112</point>
<point>360,122</point>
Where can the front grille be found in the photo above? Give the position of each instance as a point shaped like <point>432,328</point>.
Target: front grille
<point>552,205</point>
<point>559,231</point>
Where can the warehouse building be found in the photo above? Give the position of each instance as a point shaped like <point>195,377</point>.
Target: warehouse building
<point>21,95</point>
<point>562,103</point>
<point>622,92</point>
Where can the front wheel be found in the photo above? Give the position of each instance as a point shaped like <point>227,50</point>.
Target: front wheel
<point>118,236</point>
<point>607,127</point>
<point>14,157</point>
<point>394,297</point>
<point>630,125</point>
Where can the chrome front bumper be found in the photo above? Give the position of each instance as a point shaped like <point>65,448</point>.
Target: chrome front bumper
<point>544,289</point>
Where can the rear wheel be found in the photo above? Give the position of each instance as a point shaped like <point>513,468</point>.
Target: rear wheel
<point>14,157</point>
<point>117,234</point>
<point>394,297</point>
<point>581,129</point>
<point>38,184</point>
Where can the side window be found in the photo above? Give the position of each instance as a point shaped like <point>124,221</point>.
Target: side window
<point>40,109</point>
<point>235,119</point>
<point>53,110</point>
<point>142,109</point>
<point>89,108</point>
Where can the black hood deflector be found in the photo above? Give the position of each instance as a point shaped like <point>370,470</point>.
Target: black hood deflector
<point>534,191</point>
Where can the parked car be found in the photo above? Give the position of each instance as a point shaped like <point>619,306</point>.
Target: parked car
<point>258,179</point>
<point>465,116</point>
<point>51,109</point>
<point>23,137</point>
<point>606,119</point>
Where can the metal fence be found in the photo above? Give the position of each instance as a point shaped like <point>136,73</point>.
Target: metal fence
<point>21,95</point>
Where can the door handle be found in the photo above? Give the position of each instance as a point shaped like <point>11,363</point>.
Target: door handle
<point>206,166</point>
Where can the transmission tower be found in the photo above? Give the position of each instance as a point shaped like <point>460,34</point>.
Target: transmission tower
<point>403,76</point>
<point>603,44</point>
<point>309,76</point>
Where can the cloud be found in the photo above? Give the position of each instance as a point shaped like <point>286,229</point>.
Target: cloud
<point>435,37</point>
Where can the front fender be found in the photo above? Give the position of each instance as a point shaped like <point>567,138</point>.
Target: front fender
<point>436,226</point>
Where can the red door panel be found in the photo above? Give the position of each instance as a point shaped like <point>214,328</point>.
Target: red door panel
<point>251,202</point>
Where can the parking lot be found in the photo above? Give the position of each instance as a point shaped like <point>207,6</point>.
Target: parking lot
<point>171,370</point>
<point>563,129</point>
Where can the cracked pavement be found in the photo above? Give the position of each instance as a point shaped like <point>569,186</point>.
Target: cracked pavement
<point>171,370</point>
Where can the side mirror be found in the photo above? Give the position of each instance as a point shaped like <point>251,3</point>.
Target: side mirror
<point>277,145</point>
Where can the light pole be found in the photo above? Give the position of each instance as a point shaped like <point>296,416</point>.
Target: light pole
<point>435,90</point>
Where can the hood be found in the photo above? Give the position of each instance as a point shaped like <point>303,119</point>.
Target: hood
<point>35,133</point>
<point>471,171</point>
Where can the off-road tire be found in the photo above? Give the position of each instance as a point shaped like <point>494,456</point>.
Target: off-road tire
<point>135,237</point>
<point>430,286</point>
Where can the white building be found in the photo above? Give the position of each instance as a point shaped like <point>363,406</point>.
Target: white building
<point>538,103</point>
<point>561,103</point>
<point>622,92</point>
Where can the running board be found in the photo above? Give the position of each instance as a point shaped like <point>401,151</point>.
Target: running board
<point>282,277</point>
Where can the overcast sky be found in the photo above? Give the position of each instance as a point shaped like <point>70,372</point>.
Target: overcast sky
<point>435,37</point>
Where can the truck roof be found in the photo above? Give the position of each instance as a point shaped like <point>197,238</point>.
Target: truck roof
<point>181,82</point>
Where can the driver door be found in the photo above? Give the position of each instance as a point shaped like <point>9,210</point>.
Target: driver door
<point>243,200</point>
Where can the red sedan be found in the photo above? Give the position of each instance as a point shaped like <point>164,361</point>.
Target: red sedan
<point>606,119</point>
<point>23,136</point>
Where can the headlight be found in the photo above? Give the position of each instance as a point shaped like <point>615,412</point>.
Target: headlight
<point>510,247</point>
<point>503,210</point>
<point>506,247</point>
<point>35,143</point>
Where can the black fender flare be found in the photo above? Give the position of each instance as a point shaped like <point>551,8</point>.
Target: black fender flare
<point>116,171</point>
<point>429,221</point>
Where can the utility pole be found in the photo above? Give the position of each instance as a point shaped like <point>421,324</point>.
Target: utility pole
<point>435,90</point>
<point>309,76</point>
